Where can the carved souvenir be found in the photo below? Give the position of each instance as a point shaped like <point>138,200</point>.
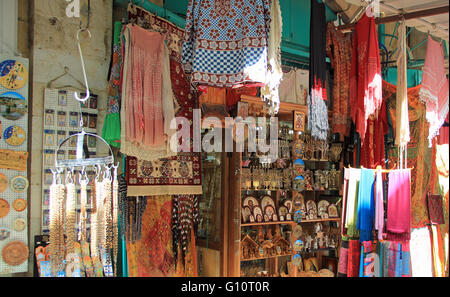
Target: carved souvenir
<point>333,211</point>
<point>251,202</point>
<point>267,201</point>
<point>282,218</point>
<point>308,175</point>
<point>282,211</point>
<point>299,184</point>
<point>335,152</point>
<point>3,182</point>
<point>299,167</point>
<point>309,241</point>
<point>252,218</point>
<point>13,160</point>
<point>299,148</point>
<point>323,149</point>
<point>4,208</point>
<point>311,209</point>
<point>4,233</point>
<point>288,205</point>
<point>266,218</point>
<point>19,205</point>
<point>246,213</point>
<point>275,217</point>
<point>269,210</point>
<point>15,253</point>
<point>334,178</point>
<point>245,178</point>
<point>298,216</point>
<point>260,236</point>
<point>323,209</point>
<point>297,260</point>
<point>19,184</point>
<point>258,214</point>
<point>298,231</point>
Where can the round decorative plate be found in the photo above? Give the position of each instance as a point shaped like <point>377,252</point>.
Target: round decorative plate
<point>19,204</point>
<point>4,233</point>
<point>13,75</point>
<point>15,253</point>
<point>14,135</point>
<point>13,106</point>
<point>4,208</point>
<point>3,182</point>
<point>19,184</point>
<point>297,260</point>
<point>250,201</point>
<point>267,201</point>
<point>298,231</point>
<point>298,245</point>
<point>298,216</point>
<point>19,224</point>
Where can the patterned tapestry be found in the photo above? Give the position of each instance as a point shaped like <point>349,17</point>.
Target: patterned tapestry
<point>180,175</point>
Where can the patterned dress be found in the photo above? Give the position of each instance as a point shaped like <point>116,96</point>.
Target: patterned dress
<point>225,41</point>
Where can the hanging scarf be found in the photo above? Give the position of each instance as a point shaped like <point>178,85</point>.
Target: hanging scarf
<point>339,50</point>
<point>354,258</point>
<point>379,205</point>
<point>398,225</point>
<point>317,107</point>
<point>366,205</point>
<point>352,203</point>
<point>365,78</point>
<point>367,265</point>
<point>434,90</point>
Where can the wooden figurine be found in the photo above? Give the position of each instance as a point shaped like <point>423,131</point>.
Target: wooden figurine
<point>249,247</point>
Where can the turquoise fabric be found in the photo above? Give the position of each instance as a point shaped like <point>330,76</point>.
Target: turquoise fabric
<point>414,76</point>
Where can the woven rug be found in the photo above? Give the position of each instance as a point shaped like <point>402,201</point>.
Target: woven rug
<point>180,175</point>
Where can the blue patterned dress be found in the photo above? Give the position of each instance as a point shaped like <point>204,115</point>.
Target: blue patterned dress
<point>225,41</point>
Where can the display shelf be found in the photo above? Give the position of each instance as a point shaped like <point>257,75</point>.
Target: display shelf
<point>267,223</point>
<point>321,220</point>
<point>270,257</point>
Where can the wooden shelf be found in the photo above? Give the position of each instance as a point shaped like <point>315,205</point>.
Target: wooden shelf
<point>267,223</point>
<point>271,257</point>
<point>321,220</point>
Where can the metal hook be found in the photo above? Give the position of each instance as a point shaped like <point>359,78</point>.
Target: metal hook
<point>83,100</point>
<point>89,16</point>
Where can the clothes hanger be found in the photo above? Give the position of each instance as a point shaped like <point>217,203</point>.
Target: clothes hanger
<point>83,68</point>
<point>66,72</point>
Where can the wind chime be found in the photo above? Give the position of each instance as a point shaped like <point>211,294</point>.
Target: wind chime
<point>81,253</point>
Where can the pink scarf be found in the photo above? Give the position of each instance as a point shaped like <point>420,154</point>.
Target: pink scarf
<point>434,90</point>
<point>398,224</point>
<point>379,208</point>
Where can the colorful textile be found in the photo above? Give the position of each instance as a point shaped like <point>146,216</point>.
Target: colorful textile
<point>367,265</point>
<point>434,90</point>
<point>366,205</point>
<point>225,42</point>
<point>398,259</point>
<point>414,76</point>
<point>339,50</point>
<point>435,209</point>
<point>421,253</point>
<point>354,258</point>
<point>343,259</point>
<point>317,106</point>
<point>419,154</point>
<point>398,224</point>
<point>438,252</point>
<point>379,205</point>
<point>352,203</point>
<point>180,174</point>
<point>365,78</point>
<point>402,124</point>
<point>111,126</point>
<point>147,99</point>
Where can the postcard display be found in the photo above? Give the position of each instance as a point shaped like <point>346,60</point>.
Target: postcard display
<point>13,165</point>
<point>61,119</point>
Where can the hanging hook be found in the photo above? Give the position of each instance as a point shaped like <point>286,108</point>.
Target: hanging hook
<point>83,68</point>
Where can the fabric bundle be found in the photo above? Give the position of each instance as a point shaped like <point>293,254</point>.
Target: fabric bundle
<point>397,259</point>
<point>367,265</point>
<point>434,89</point>
<point>365,78</point>
<point>398,225</point>
<point>339,50</point>
<point>148,101</point>
<point>226,42</point>
<point>343,259</point>
<point>317,106</point>
<point>366,209</point>
<point>354,258</point>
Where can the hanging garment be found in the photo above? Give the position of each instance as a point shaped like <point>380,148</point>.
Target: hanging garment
<point>434,90</point>
<point>444,133</point>
<point>367,265</point>
<point>438,251</point>
<point>398,224</point>
<point>225,42</point>
<point>379,205</point>
<point>419,154</point>
<point>421,253</point>
<point>294,86</point>
<point>366,205</point>
<point>317,106</point>
<point>365,78</point>
<point>274,71</point>
<point>148,103</point>
<point>111,126</point>
<point>180,174</point>
<point>354,258</point>
<point>352,203</point>
<point>339,50</point>
<point>343,259</point>
<point>402,124</point>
